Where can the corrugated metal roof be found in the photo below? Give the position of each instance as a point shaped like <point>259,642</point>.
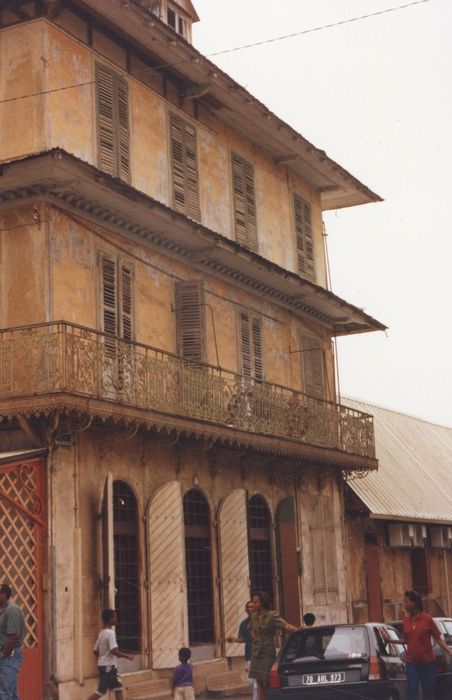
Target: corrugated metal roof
<point>414,478</point>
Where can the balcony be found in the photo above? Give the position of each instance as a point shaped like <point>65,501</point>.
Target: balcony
<point>61,365</point>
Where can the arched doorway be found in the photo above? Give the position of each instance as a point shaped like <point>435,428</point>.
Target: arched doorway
<point>126,566</point>
<point>287,558</point>
<point>198,561</point>
<point>259,546</point>
<point>373,580</point>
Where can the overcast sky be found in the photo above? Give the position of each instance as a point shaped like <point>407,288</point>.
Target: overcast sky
<point>376,96</point>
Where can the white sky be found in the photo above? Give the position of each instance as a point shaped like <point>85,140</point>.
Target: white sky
<point>376,95</point>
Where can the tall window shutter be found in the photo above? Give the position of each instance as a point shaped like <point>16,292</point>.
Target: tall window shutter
<point>304,238</point>
<point>318,553</point>
<point>324,551</point>
<point>190,320</point>
<point>113,138</point>
<point>116,301</point>
<point>108,563</point>
<point>244,196</point>
<point>126,306</point>
<point>184,164</point>
<point>330,546</point>
<point>123,134</point>
<point>250,336</point>
<point>313,366</point>
<point>109,300</point>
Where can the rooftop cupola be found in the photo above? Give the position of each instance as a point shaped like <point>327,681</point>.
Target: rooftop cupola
<point>177,14</point>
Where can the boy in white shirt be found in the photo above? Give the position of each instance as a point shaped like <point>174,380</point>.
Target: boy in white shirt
<point>106,650</point>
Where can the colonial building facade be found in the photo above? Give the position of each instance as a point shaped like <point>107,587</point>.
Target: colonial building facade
<point>399,519</point>
<point>170,437</point>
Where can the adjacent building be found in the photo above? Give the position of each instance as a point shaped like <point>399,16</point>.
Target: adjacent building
<point>399,519</point>
<point>170,436</point>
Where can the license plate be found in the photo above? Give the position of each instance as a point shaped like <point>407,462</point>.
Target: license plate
<point>323,678</point>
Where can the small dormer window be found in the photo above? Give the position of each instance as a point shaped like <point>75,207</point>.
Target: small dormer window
<point>177,22</point>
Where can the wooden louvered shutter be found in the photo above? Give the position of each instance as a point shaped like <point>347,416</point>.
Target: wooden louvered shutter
<point>113,138</point>
<point>250,335</point>
<point>304,238</point>
<point>318,554</point>
<point>330,548</point>
<point>167,575</point>
<point>190,320</point>
<point>184,164</point>
<point>126,301</point>
<point>108,563</point>
<point>313,366</point>
<point>244,202</point>
<point>324,551</point>
<point>257,347</point>
<point>123,135</point>
<point>105,101</point>
<point>109,301</point>
<point>234,564</point>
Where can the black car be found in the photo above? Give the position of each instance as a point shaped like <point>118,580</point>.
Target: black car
<point>343,661</point>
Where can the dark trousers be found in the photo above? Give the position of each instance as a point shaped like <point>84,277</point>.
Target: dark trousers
<point>424,675</point>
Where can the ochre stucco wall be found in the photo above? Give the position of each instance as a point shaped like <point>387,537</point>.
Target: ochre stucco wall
<point>42,57</point>
<point>74,248</point>
<point>145,463</point>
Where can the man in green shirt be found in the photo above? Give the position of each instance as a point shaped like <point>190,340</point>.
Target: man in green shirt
<point>12,633</point>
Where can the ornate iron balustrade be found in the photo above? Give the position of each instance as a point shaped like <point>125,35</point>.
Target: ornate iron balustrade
<point>65,358</point>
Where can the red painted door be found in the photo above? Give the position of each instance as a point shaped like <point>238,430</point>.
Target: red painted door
<point>374,597</point>
<point>22,524</point>
<point>288,563</point>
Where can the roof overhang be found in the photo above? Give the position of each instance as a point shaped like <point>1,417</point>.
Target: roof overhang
<point>83,189</point>
<point>19,455</point>
<point>236,107</point>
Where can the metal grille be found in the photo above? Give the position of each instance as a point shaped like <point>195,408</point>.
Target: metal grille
<point>22,524</point>
<point>127,601</point>
<point>260,551</point>
<point>199,568</point>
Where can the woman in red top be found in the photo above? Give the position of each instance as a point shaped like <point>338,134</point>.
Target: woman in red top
<point>418,630</point>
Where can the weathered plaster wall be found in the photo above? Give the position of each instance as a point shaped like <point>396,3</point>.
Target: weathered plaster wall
<point>23,265</point>
<point>74,249</point>
<point>22,79</point>
<point>147,462</point>
<point>42,57</point>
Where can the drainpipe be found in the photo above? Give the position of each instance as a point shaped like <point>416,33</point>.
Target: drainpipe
<point>446,577</point>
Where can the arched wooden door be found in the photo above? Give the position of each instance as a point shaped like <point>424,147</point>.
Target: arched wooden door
<point>23,528</point>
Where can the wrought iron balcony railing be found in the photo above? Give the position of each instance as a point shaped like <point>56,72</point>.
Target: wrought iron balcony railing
<point>64,358</point>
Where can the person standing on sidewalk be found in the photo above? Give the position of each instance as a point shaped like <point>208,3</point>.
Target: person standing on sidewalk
<point>245,637</point>
<point>12,633</point>
<point>417,632</point>
<point>107,652</point>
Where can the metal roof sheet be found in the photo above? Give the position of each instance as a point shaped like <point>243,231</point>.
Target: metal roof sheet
<point>414,478</point>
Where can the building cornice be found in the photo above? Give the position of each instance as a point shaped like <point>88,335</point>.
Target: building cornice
<point>81,188</point>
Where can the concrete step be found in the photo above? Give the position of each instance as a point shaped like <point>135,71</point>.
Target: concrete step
<point>142,686</point>
<point>228,683</point>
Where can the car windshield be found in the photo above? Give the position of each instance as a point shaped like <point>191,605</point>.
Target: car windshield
<point>327,643</point>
